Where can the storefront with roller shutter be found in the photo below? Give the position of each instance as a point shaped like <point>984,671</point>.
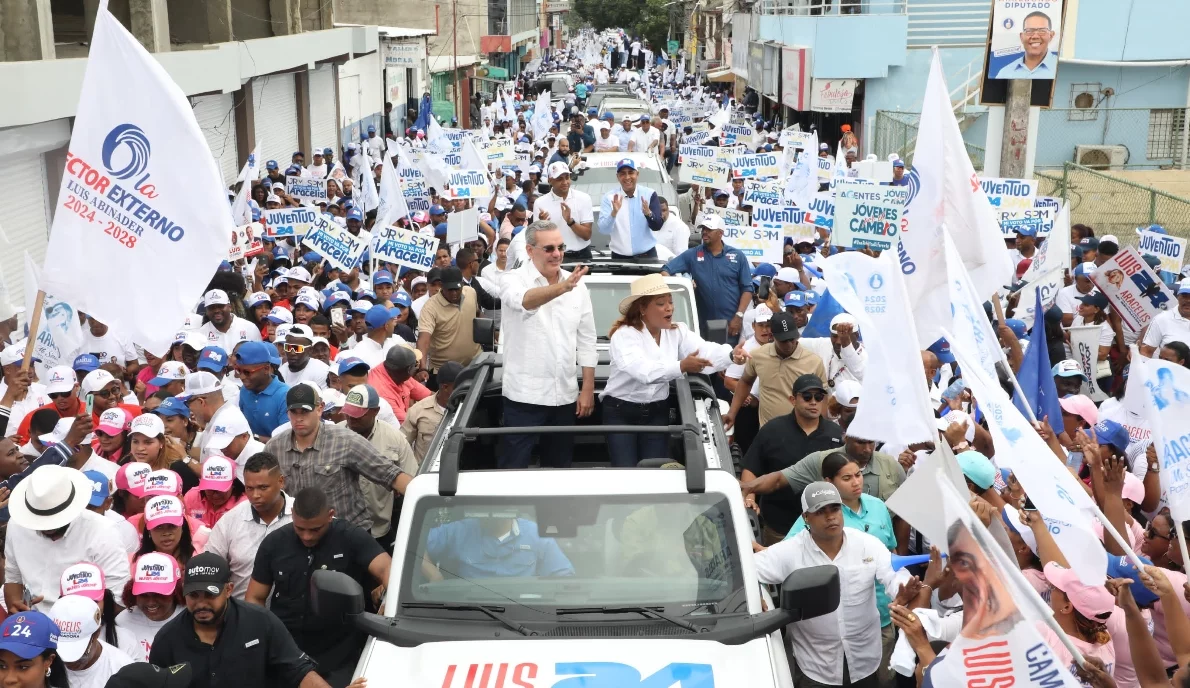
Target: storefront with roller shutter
<point>274,103</point>
<point>217,118</point>
<point>324,118</point>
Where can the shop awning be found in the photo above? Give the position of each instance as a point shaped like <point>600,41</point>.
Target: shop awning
<point>721,75</point>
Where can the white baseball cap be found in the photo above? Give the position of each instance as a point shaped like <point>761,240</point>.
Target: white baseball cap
<point>232,423</point>
<point>299,274</point>
<point>78,618</point>
<point>787,274</point>
<point>215,297</point>
<point>97,380</point>
<point>147,424</point>
<point>307,300</point>
<point>59,379</point>
<point>763,314</point>
<point>711,221</point>
<point>198,384</point>
<point>557,169</point>
<point>844,319</point>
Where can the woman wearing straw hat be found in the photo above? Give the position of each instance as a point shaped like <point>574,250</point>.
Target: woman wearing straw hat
<point>648,349</point>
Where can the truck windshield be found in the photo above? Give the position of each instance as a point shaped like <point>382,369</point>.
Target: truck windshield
<point>534,555</point>
<point>605,302</point>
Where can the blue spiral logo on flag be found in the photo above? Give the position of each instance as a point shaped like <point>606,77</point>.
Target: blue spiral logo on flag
<point>914,185</point>
<point>133,140</point>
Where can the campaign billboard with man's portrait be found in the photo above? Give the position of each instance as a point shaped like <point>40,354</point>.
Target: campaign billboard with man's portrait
<point>1026,36</point>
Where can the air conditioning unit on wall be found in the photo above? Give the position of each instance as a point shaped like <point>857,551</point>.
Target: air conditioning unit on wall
<point>1101,157</point>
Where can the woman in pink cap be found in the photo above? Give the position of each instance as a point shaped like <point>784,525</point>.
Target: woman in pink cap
<point>149,444</point>
<point>129,498</point>
<point>218,491</point>
<point>87,579</point>
<point>169,531</point>
<point>151,599</point>
<point>111,435</point>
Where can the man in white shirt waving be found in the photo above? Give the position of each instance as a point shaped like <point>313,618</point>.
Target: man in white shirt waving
<point>548,333</point>
<point>841,648</point>
<point>646,139</point>
<point>570,209</point>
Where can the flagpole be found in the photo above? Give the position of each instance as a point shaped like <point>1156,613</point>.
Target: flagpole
<point>34,323</point>
<point>1107,525</point>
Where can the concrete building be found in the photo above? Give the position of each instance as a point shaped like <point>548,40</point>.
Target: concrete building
<point>1120,97</point>
<point>278,72</point>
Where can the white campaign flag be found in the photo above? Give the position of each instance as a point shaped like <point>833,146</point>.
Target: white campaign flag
<point>241,211</point>
<point>1063,503</point>
<point>436,140</point>
<point>971,324</point>
<point>1054,253</point>
<point>943,189</point>
<point>999,644</point>
<point>392,205</point>
<point>543,117</point>
<point>896,403</point>
<point>802,183</point>
<point>141,223</point>
<point>365,181</point>
<point>1084,348</point>
<point>60,334</point>
<point>1167,406</point>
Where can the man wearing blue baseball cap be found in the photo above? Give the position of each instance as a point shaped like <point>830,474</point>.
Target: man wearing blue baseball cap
<point>899,178</point>
<point>262,399</point>
<point>1026,245</point>
<point>715,262</point>
<point>355,221</point>
<point>374,143</point>
<point>630,215</point>
<point>1067,298</point>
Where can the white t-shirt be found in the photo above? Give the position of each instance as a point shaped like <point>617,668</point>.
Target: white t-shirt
<point>1067,299</point>
<point>580,211</point>
<point>110,347</point>
<point>315,371</point>
<point>1167,327</point>
<point>111,660</point>
<point>143,629</point>
<point>604,145</point>
<point>124,530</point>
<point>674,234</point>
<point>642,140</point>
<point>35,397</point>
<point>316,171</point>
<point>240,331</point>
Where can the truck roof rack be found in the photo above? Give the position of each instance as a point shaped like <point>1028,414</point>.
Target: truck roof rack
<point>478,374</point>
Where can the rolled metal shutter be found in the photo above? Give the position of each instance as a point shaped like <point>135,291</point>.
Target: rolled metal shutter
<point>324,120</point>
<point>217,118</point>
<point>275,111</point>
<point>26,224</point>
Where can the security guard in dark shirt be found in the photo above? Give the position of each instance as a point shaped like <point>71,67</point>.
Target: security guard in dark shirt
<point>316,540</point>
<point>227,642</point>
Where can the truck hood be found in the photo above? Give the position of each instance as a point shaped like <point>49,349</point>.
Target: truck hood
<point>574,663</point>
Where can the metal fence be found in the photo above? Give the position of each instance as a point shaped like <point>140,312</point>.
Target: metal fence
<point>896,132</point>
<point>1112,205</point>
<point>1112,138</point>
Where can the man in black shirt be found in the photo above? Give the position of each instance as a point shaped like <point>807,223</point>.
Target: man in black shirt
<point>228,642</point>
<point>316,540</point>
<point>782,442</point>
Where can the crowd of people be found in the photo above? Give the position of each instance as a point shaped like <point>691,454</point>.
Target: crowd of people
<point>167,508</point>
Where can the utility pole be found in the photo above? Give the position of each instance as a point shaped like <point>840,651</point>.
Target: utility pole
<point>454,37</point>
<point>1015,144</point>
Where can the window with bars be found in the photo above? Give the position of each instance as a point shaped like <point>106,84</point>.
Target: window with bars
<point>1165,134</point>
<point>1084,102</point>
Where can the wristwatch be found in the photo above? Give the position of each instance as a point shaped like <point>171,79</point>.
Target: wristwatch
<point>739,314</point>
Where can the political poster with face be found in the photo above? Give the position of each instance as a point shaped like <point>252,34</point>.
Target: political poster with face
<point>868,216</point>
<point>760,244</point>
<point>404,247</point>
<point>335,244</point>
<point>1134,290</point>
<point>704,172</point>
<point>246,241</point>
<point>127,214</point>
<point>1025,40</point>
<point>305,188</point>
<point>290,222</point>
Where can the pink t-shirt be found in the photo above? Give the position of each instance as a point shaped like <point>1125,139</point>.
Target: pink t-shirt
<point>1136,534</point>
<point>1037,580</point>
<point>1117,625</point>
<point>197,508</point>
<point>1105,652</point>
<point>1178,581</point>
<point>146,373</point>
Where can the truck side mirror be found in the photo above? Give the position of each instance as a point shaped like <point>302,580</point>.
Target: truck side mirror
<point>811,592</point>
<point>716,331</point>
<point>483,332</point>
<point>335,596</point>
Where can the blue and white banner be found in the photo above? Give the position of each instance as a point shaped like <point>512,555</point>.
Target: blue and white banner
<point>756,165</point>
<point>142,201</point>
<point>404,247</point>
<point>705,172</point>
<point>335,244</point>
<point>695,152</point>
<point>1167,401</point>
<point>468,184</point>
<point>1054,254</point>
<point>821,213</point>
<point>762,193</point>
<point>413,183</point>
<point>60,334</point>
<point>1046,208</point>
<point>290,222</point>
<point>1171,250</point>
<point>868,216</point>
<point>1133,288</point>
<point>731,216</point>
<point>1011,198</point>
<point>305,188</point>
<point>760,244</point>
<point>737,132</point>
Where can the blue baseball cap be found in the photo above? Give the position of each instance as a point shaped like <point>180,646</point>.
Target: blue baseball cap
<point>367,294</point>
<point>625,162</point>
<point>402,300</point>
<point>293,171</point>
<point>896,163</point>
<point>1026,230</point>
<point>360,307</point>
<point>437,210</point>
<point>1122,567</point>
<point>350,363</point>
<point>977,468</point>
<point>311,257</point>
<point>941,349</point>
<point>271,165</point>
<point>382,277</point>
<point>764,270</point>
<point>28,634</point>
<point>280,253</point>
<point>355,214</point>
<point>336,297</point>
<point>328,151</point>
<point>255,353</point>
<point>717,193</point>
<point>609,116</point>
<point>796,299</point>
<point>256,298</point>
<point>224,267</point>
<point>1084,269</point>
<point>440,229</point>
<point>212,358</point>
<point>377,316</point>
<point>172,406</point>
<point>100,488</point>
<point>371,129</point>
<point>1184,287</point>
<point>86,362</point>
<point>1112,433</point>
<point>1017,326</point>
<point>592,111</point>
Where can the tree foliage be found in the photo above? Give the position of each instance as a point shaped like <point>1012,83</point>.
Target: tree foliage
<point>645,18</point>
